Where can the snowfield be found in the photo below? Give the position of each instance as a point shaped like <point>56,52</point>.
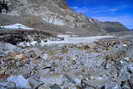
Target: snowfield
<point>66,40</point>
<point>76,40</point>
<point>16,26</point>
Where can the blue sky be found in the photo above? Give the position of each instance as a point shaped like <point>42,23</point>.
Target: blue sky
<point>106,10</point>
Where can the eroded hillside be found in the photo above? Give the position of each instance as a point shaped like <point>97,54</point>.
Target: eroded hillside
<point>38,13</point>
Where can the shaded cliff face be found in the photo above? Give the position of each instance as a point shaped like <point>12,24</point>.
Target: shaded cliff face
<point>38,13</point>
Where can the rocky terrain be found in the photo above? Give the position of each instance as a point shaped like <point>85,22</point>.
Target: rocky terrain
<point>103,64</point>
<point>56,48</point>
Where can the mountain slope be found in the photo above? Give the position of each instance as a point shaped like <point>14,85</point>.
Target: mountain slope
<point>38,13</point>
<point>114,26</point>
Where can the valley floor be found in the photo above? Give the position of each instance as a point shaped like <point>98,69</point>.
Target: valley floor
<point>100,62</point>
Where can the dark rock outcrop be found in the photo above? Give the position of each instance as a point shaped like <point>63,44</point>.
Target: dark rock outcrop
<point>17,36</point>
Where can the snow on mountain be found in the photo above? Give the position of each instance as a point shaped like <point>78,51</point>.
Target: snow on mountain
<point>16,26</point>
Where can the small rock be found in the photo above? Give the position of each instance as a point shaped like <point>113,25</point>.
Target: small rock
<point>53,79</point>
<point>35,83</point>
<point>11,85</point>
<point>43,87</point>
<point>55,86</point>
<point>20,81</point>
<point>44,56</point>
<point>112,86</point>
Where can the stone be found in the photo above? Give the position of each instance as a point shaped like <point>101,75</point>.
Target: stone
<point>11,85</point>
<point>20,81</point>
<point>52,79</point>
<point>112,86</point>
<point>6,48</point>
<point>44,87</point>
<point>55,86</point>
<point>35,83</point>
<point>44,56</point>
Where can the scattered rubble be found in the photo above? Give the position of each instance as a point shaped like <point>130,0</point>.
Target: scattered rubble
<point>103,64</point>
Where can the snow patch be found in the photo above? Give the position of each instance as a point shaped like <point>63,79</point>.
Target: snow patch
<point>58,22</point>
<point>53,20</point>
<point>125,45</point>
<point>76,40</point>
<point>66,40</point>
<point>63,36</point>
<point>92,21</point>
<point>16,26</point>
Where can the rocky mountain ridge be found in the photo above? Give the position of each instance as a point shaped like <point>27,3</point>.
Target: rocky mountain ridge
<point>56,12</point>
